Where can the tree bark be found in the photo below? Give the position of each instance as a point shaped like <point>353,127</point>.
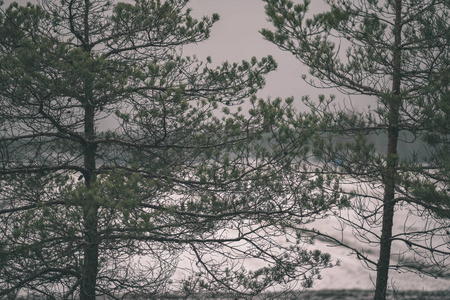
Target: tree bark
<point>90,207</point>
<point>90,266</point>
<point>394,104</point>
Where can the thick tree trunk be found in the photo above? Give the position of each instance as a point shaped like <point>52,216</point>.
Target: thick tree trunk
<point>389,181</point>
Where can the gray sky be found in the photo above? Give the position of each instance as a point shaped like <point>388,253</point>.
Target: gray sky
<point>235,37</point>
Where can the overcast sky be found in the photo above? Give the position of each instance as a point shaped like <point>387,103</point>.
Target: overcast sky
<point>234,38</point>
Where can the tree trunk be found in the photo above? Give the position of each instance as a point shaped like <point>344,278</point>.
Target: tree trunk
<point>394,104</point>
<point>90,207</point>
<point>90,266</point>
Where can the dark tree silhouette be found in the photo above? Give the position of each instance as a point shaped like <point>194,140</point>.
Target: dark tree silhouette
<point>396,51</point>
<point>129,170</point>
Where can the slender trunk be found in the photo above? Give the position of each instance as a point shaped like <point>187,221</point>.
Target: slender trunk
<point>90,208</point>
<point>90,267</point>
<point>394,104</point>
<point>90,212</point>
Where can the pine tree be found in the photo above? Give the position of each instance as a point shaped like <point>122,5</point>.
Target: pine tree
<point>397,52</point>
<point>129,170</point>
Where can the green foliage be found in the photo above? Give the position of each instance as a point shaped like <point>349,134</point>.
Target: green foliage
<point>121,157</point>
<point>398,53</point>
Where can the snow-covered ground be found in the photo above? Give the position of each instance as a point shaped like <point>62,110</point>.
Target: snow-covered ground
<point>352,275</point>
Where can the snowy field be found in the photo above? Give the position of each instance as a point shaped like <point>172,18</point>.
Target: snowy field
<point>352,275</point>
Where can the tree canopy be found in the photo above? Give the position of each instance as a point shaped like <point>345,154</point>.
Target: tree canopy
<point>129,170</point>
<point>396,51</point>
